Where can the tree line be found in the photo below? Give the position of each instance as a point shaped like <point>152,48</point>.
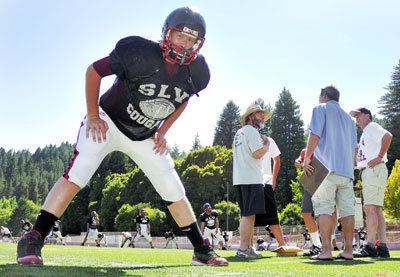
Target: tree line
<point>119,189</point>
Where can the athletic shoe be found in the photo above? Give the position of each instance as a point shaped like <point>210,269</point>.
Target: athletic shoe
<point>248,253</point>
<point>336,248</point>
<point>205,255</point>
<point>367,251</point>
<point>82,244</point>
<point>383,251</point>
<point>242,254</point>
<point>315,250</point>
<point>30,248</point>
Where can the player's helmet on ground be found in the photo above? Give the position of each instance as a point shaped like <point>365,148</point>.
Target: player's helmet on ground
<point>188,22</point>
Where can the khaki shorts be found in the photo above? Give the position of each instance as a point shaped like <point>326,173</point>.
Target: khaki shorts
<point>374,184</point>
<point>335,189</point>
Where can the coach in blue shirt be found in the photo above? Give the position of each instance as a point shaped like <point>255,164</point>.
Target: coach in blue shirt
<point>333,141</point>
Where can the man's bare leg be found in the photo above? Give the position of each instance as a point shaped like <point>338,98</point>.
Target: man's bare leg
<point>325,228</point>
<point>246,231</point>
<point>372,222</point>
<point>277,231</point>
<point>348,229</point>
<point>60,196</point>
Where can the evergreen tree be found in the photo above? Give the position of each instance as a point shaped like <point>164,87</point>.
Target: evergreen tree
<point>196,143</point>
<point>390,109</point>
<point>227,125</point>
<point>287,131</point>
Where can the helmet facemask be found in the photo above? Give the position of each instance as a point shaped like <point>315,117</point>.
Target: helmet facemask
<point>178,54</point>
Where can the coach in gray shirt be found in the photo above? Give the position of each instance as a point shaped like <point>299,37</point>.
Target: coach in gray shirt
<point>249,148</point>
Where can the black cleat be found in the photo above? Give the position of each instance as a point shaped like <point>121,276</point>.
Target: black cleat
<point>315,250</point>
<point>29,249</point>
<point>205,255</point>
<point>367,251</point>
<point>383,251</point>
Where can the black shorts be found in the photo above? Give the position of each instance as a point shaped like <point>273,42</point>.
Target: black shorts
<point>250,199</point>
<point>306,205</point>
<point>271,213</point>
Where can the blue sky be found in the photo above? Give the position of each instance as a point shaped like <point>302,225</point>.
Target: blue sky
<point>254,50</point>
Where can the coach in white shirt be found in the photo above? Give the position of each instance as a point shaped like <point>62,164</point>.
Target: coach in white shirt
<point>371,160</point>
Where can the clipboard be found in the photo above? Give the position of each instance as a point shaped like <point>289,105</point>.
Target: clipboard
<point>312,183</point>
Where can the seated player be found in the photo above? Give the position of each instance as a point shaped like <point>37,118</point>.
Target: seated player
<point>210,224</point>
<point>261,245</point>
<point>170,236</point>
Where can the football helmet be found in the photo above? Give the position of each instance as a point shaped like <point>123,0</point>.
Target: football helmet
<point>189,23</point>
<point>93,214</point>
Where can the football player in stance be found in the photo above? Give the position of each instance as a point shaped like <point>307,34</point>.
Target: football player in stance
<point>100,237</point>
<point>210,225</point>
<point>26,227</point>
<point>143,228</point>
<point>154,82</point>
<point>127,236</point>
<point>170,236</point>
<point>55,233</point>
<point>5,232</point>
<point>92,223</point>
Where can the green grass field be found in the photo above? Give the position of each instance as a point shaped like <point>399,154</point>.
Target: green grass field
<point>92,261</point>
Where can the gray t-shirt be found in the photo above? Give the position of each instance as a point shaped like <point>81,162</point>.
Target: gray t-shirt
<point>247,170</point>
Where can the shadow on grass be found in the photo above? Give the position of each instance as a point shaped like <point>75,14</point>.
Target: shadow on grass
<point>236,259</point>
<point>351,262</point>
<point>50,270</point>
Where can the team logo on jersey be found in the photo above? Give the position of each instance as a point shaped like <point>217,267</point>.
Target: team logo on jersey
<point>157,109</point>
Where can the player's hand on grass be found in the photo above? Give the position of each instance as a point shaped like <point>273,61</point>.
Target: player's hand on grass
<point>97,127</point>
<point>160,144</point>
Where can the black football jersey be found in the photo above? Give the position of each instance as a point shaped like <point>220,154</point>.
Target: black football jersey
<point>142,219</point>
<point>362,235</point>
<point>27,226</point>
<point>92,222</point>
<point>143,94</point>
<point>209,219</point>
<point>56,226</point>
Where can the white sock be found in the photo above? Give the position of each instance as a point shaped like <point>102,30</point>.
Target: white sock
<point>315,239</point>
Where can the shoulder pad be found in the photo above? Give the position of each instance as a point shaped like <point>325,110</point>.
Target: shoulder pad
<point>199,73</point>
<point>135,57</point>
<point>214,213</point>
